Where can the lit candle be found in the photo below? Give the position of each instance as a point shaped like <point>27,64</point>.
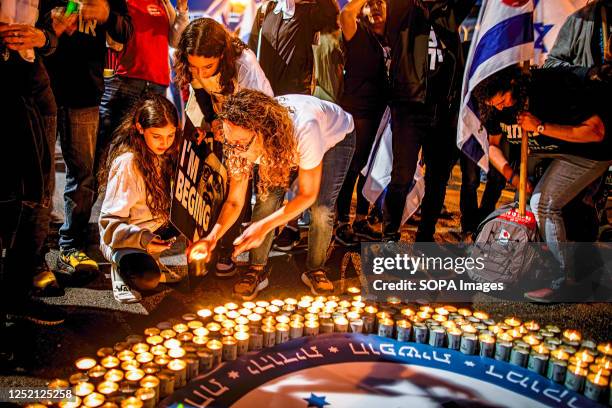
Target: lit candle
<point>519,356</point>
<point>83,389</point>
<point>122,345</point>
<point>96,374</point>
<point>326,325</point>
<point>147,396</point>
<point>179,370</point>
<point>168,334</point>
<point>151,331</point>
<point>204,313</point>
<point>133,339</point>
<point>162,360</point>
<point>480,315</point>
<point>150,368</point>
<point>282,319</point>
<point>172,343</point>
<point>420,333</point>
<point>233,314</point>
<point>134,375</point>
<point>604,361</point>
<point>230,348</point>
<point>214,347</point>
<point>126,355</point>
<point>255,339</point>
<point>585,356</point>
<point>140,348</point>
<point>105,351</point>
<point>219,310</point>
<point>195,324</point>
<point>131,402</point>
<point>464,312</point>
<point>205,358</point>
<point>93,400</point>
<point>575,378</point>
<point>155,340</point>
<point>166,383</point>
<point>242,321</point>
<point>107,388</point>
<point>538,359</point>
<point>180,327</point>
<point>605,349</point>
<point>487,345</point>
<point>85,363</point>
<point>176,352</point>
<point>113,375</point>
<point>311,328</point>
<point>572,337</point>
<point>213,329</point>
<point>242,338</point>
<point>557,366</point>
<point>595,387</point>
<point>341,324</point>
<point>513,322</point>
<point>468,328</point>
<point>469,342</point>
<point>269,335</point>
<point>532,325</point>
<point>437,336</point>
<point>531,339</point>
<point>158,350</point>
<point>193,366</point>
<point>130,365</point>
<point>75,402</point>
<point>503,347</point>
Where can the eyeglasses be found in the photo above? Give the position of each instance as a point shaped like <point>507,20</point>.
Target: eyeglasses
<point>239,147</point>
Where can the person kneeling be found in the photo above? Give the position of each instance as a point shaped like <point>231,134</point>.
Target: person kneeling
<point>281,134</point>
<point>136,184</point>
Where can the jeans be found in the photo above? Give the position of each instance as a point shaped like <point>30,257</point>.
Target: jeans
<point>335,166</point>
<point>120,94</point>
<point>471,213</point>
<point>415,126</point>
<point>77,129</point>
<point>365,135</point>
<point>563,180</point>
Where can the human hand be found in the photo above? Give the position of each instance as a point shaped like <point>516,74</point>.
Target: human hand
<point>62,23</point>
<point>157,246</point>
<point>515,182</point>
<point>528,122</point>
<point>217,129</point>
<point>252,237</point>
<point>98,10</point>
<point>19,37</point>
<point>202,249</point>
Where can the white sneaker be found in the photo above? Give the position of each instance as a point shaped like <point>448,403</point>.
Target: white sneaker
<point>121,291</point>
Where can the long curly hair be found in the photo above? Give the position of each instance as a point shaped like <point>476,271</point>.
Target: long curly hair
<point>512,79</point>
<point>204,37</point>
<point>257,112</point>
<point>156,171</point>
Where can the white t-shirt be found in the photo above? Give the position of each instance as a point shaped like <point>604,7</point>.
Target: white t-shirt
<point>319,126</point>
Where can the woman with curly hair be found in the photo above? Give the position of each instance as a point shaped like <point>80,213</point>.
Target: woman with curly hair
<point>136,184</point>
<point>291,132</point>
<point>214,64</point>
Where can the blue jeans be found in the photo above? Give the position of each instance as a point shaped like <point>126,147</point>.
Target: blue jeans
<point>78,129</point>
<point>120,94</point>
<point>335,166</point>
<point>564,178</point>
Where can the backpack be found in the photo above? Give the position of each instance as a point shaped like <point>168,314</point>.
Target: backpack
<point>504,243</point>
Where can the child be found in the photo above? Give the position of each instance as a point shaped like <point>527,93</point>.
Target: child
<point>136,178</point>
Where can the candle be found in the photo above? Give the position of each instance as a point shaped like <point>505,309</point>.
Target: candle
<point>133,339</point>
<point>596,385</point>
<point>144,358</point>
<point>464,312</point>
<point>195,324</point>
<point>105,351</point>
<point>385,327</point>
<point>185,337</point>
<point>126,355</point>
<point>130,365</point>
<point>107,388</point>
<point>487,345</point>
<point>155,340</point>
<point>226,331</point>
<point>503,347</point>
<point>605,349</point>
<point>134,375</point>
<point>585,356</point>
<point>242,339</point>
<point>557,369</point>
<point>575,378</point>
<point>205,360</point>
<point>437,336</point>
<point>176,352</point>
<point>532,325</point>
<point>269,335</point>
<point>481,315</point>
<point>113,375</point>
<point>230,348</point>
<point>532,340</point>
<point>162,360</point>
<point>311,328</point>
<point>341,324</point>
<point>214,347</point>
<point>255,340</point>
<point>147,396</point>
<point>204,313</point>
<point>151,382</point>
<point>131,402</point>
<point>168,334</point>
<point>93,400</point>
<point>58,383</point>
<point>572,337</point>
<point>193,366</point>
<point>233,314</point>
<point>420,333</point>
<point>158,350</point>
<point>166,383</point>
<point>538,359</point>
<point>85,363</point>
<point>83,389</point>
<point>242,321</point>
<point>519,356</point>
<point>179,370</point>
<point>213,329</point>
<point>219,310</point>
<point>513,322</point>
<point>454,338</point>
<point>96,374</point>
<point>296,329</point>
<point>122,345</point>
<point>75,403</point>
<point>282,319</point>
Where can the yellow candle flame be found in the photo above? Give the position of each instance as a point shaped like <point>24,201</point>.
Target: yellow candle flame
<point>93,400</point>
<point>114,375</point>
<point>572,335</point>
<point>83,389</point>
<point>107,387</point>
<point>513,322</point>
<point>204,313</point>
<point>481,315</point>
<point>214,345</point>
<point>134,375</point>
<point>177,365</point>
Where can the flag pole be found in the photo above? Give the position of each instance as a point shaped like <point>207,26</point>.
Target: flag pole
<point>523,165</point>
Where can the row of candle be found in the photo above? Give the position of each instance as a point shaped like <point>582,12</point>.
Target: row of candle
<point>144,368</point>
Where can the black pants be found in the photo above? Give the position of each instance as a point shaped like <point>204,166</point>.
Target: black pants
<point>471,213</point>
<point>415,126</point>
<point>365,133</point>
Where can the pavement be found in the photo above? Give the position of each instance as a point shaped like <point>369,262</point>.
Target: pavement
<point>96,320</point>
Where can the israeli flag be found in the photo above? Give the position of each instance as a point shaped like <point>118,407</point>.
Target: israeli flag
<point>503,36</point>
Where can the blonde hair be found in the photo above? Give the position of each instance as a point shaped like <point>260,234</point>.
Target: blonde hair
<point>259,113</point>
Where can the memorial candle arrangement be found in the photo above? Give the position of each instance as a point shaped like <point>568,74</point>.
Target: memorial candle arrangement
<point>144,369</point>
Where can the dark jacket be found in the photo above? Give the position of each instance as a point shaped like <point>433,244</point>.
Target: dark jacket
<point>408,28</point>
<point>76,69</point>
<point>577,46</point>
<point>286,54</point>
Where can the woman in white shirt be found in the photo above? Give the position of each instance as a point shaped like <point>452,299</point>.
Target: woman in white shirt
<point>213,64</point>
<point>281,135</point>
<point>136,183</point>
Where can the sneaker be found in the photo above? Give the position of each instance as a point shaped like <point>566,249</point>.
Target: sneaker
<point>45,284</point>
<point>251,283</point>
<point>225,267</point>
<point>76,265</point>
<point>168,275</point>
<point>288,239</point>
<point>364,230</point>
<point>37,312</point>
<point>317,282</point>
<point>121,291</point>
<point>345,236</point>
<point>545,295</point>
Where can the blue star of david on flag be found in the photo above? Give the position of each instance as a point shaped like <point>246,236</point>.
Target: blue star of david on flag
<point>315,401</point>
<point>541,30</point>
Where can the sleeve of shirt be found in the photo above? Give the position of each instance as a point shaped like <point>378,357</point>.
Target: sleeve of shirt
<point>324,14</point>
<point>311,146</point>
<point>122,192</point>
<point>562,55</point>
<point>180,23</point>
<point>251,76</point>
<point>119,23</point>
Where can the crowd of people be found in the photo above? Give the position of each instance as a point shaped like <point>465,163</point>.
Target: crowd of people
<point>284,114</point>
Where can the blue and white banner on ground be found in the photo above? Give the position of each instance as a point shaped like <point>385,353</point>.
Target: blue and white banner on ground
<point>356,370</point>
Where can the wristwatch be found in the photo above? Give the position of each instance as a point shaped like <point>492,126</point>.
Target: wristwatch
<point>540,128</point>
